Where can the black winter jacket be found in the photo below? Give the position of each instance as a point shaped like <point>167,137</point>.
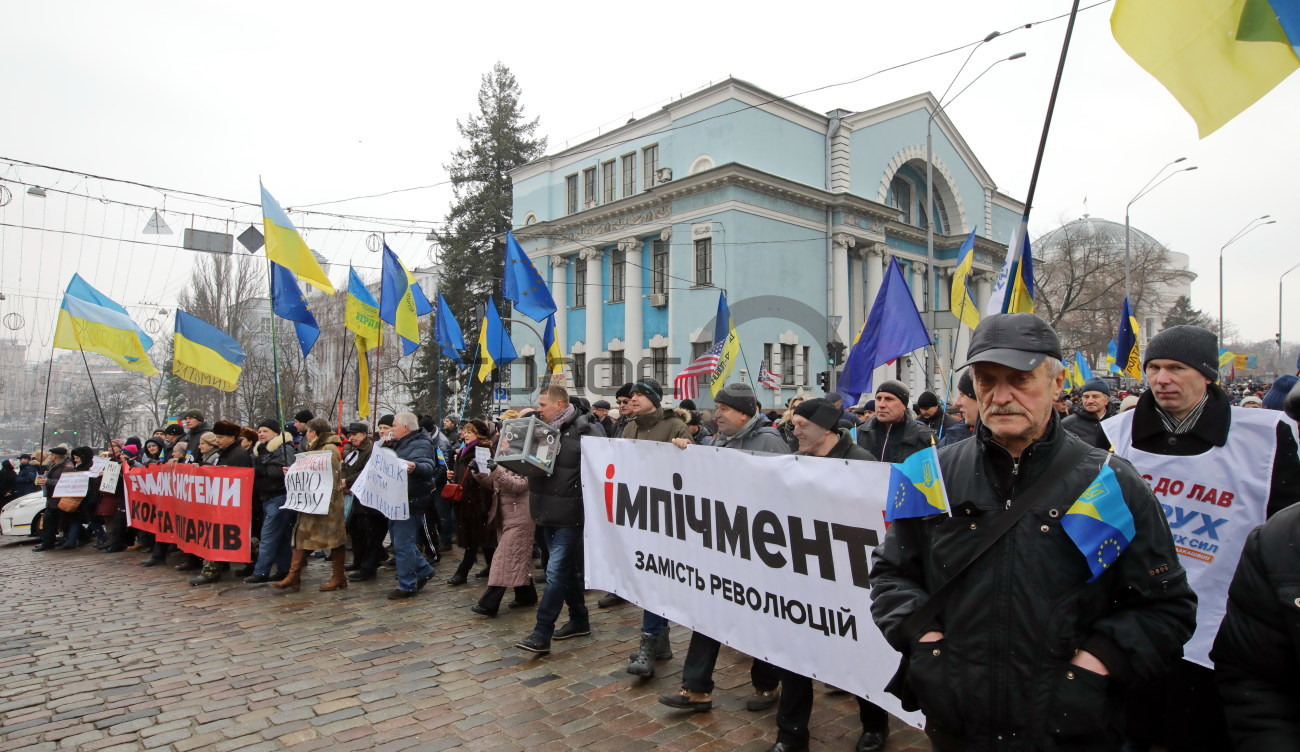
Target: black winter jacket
<point>270,458</point>
<point>556,499</point>
<point>894,442</point>
<point>1087,426</point>
<point>1000,678</point>
<point>417,447</point>
<point>1257,651</point>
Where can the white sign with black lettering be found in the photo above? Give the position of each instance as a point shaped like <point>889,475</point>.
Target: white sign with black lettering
<point>309,483</point>
<point>72,485</point>
<point>108,479</point>
<point>381,485</point>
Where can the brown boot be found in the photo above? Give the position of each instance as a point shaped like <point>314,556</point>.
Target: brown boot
<point>293,580</point>
<point>340,580</point>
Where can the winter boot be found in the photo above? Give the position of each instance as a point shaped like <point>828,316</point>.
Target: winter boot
<point>293,580</point>
<point>643,660</point>
<point>340,580</point>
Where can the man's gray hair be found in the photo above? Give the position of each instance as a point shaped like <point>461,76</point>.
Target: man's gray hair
<point>1054,367</point>
<point>410,421</point>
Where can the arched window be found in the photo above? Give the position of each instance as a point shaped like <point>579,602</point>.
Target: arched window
<point>900,197</point>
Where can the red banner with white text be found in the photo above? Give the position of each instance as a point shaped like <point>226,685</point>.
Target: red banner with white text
<point>205,511</point>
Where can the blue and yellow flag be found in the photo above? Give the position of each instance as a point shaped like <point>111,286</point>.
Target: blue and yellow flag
<point>724,331</point>
<point>1013,292</point>
<point>203,354</point>
<point>361,317</point>
<point>286,247</point>
<point>401,301</point>
<point>1099,522</point>
<point>288,303</point>
<point>523,284</point>
<point>960,299</point>
<point>1081,367</point>
<point>1130,362</point>
<point>554,358</point>
<point>1226,358</point>
<point>90,321</point>
<point>1112,351</point>
<point>1217,57</point>
<point>495,348</point>
<point>916,487</point>
<point>446,332</point>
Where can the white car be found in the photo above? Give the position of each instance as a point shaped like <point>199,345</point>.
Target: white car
<point>22,516</point>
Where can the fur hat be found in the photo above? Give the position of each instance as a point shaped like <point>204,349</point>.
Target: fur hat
<point>226,428</point>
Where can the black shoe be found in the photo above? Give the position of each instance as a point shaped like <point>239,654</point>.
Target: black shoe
<point>153,562</point>
<point>258,579</point>
<point>571,629</point>
<point>352,568</point>
<point>42,547</point>
<point>277,576</point>
<point>112,549</point>
<point>481,574</point>
<point>482,610</point>
<point>762,700</point>
<point>682,700</point>
<point>457,579</point>
<point>517,604</point>
<point>361,576</point>
<point>534,644</point>
<point>204,579</point>
<point>871,741</point>
<point>787,747</point>
<point>421,582</point>
<point>243,571</point>
<point>389,563</point>
<point>399,594</point>
<point>609,600</point>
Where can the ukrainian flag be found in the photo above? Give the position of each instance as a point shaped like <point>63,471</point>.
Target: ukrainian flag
<point>203,354</point>
<point>554,358</point>
<point>724,330</point>
<point>401,301</point>
<point>1226,358</point>
<point>361,317</point>
<point>1013,292</point>
<point>1127,353</point>
<point>90,321</point>
<point>1099,522</point>
<point>1217,57</point>
<point>960,299</point>
<point>916,487</point>
<point>286,247</point>
<point>1111,354</point>
<point>1081,367</point>
<point>495,348</point>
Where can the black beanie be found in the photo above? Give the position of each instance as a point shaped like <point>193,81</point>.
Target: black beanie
<point>387,420</point>
<point>624,392</point>
<point>927,399</point>
<point>897,389</point>
<point>270,424</point>
<point>819,411</point>
<point>689,404</point>
<point>1095,385</point>
<point>651,389</point>
<point>966,385</point>
<point>738,396</point>
<point>1197,347</point>
<point>304,416</point>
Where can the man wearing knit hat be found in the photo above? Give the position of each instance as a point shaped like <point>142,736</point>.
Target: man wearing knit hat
<point>893,434</point>
<point>1226,470</point>
<point>1086,424</point>
<point>931,414</point>
<point>740,426</point>
<point>195,427</point>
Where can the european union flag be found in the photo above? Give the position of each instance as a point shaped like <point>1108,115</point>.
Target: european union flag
<point>916,487</point>
<point>446,332</point>
<point>288,303</point>
<point>1100,523</point>
<point>523,284</point>
<point>893,329</point>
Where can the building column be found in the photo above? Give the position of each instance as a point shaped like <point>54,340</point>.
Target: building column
<point>560,291</point>
<point>839,283</point>
<point>857,294</point>
<point>595,304</point>
<point>634,298</point>
<point>875,256</point>
<point>918,285</point>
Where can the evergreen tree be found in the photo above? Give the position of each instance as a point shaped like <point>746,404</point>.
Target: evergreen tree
<point>498,139</point>
<point>1181,312</point>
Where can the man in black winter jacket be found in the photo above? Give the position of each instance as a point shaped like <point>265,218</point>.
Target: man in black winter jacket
<point>1031,650</point>
<point>1086,424</point>
<point>416,447</point>
<point>893,434</point>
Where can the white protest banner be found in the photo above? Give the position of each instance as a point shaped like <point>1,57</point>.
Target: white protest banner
<point>72,484</point>
<point>381,484</point>
<point>108,479</point>
<point>97,465</point>
<point>309,483</point>
<point>481,457</point>
<point>768,554</point>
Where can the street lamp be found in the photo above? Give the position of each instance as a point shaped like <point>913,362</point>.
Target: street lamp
<point>1243,232</point>
<point>929,175</point>
<point>1145,190</point>
<point>1279,317</point>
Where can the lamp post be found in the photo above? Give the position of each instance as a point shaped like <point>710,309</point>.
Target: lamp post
<point>1243,232</point>
<point>1279,317</point>
<point>1128,263</point>
<point>929,178</point>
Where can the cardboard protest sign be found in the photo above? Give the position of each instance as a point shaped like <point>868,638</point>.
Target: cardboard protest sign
<point>309,483</point>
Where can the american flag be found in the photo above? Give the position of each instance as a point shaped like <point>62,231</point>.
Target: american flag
<point>767,378</point>
<point>687,383</point>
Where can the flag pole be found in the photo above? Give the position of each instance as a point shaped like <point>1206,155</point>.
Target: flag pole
<point>1051,107</point>
<point>94,392</point>
<point>338,396</point>
<point>374,402</point>
<point>275,355</point>
<point>45,411</point>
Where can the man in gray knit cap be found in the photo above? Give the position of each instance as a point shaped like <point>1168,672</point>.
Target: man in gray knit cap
<point>1218,472</point>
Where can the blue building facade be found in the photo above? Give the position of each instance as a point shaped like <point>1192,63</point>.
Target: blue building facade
<point>793,213</point>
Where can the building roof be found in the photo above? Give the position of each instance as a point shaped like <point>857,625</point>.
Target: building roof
<point>1102,229</point>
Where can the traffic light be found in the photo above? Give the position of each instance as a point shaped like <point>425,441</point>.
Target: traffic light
<point>835,353</point>
<point>1278,339</point>
<point>824,380</point>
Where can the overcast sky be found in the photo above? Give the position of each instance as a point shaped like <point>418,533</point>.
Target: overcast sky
<point>330,100</point>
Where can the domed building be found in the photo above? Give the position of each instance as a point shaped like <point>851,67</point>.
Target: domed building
<point>1081,280</point>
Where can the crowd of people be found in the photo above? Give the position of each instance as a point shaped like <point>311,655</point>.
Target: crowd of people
<point>1006,641</point>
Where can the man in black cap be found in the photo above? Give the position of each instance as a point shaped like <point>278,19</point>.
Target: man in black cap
<point>622,398</point>
<point>892,434</point>
<point>967,409</point>
<point>931,414</point>
<point>600,409</point>
<point>1221,471</point>
<point>1086,424</point>
<point>1012,634</point>
<point>366,527</point>
<point>1063,404</point>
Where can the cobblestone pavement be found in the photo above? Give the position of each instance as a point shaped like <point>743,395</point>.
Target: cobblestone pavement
<point>97,653</point>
